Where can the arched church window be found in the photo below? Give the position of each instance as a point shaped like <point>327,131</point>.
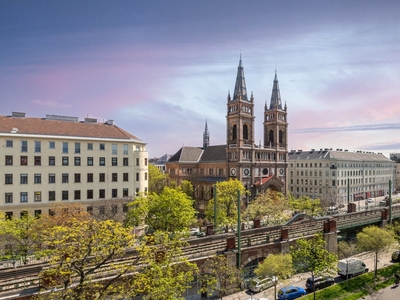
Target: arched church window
<point>234,132</point>
<point>245,132</point>
<point>280,136</point>
<point>271,136</point>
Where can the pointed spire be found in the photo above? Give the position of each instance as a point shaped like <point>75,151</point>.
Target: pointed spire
<point>206,137</point>
<point>240,92</point>
<point>276,95</point>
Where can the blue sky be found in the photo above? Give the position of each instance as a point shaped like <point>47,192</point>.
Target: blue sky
<point>161,68</point>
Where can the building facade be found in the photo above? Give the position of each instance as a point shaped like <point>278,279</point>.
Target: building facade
<point>60,159</point>
<point>258,167</point>
<point>339,177</point>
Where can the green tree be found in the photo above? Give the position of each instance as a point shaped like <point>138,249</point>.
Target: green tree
<point>166,273</point>
<point>375,239</point>
<point>157,180</point>
<point>345,251</point>
<point>187,187</point>
<point>227,200</point>
<point>221,275</point>
<point>276,265</point>
<point>305,204</point>
<point>19,237</point>
<point>171,211</point>
<point>268,206</point>
<point>310,255</point>
<point>79,253</point>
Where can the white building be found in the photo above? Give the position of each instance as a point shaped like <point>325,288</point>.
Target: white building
<point>332,175</point>
<point>60,159</point>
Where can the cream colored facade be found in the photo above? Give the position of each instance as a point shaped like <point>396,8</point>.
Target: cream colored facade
<point>38,170</point>
<point>339,177</point>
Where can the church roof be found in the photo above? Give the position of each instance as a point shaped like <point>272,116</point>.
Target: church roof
<point>195,154</point>
<point>276,95</point>
<point>240,92</point>
<point>214,153</point>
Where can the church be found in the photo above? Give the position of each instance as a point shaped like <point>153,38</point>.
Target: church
<point>258,167</point>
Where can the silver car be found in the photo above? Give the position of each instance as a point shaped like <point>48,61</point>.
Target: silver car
<point>259,284</point>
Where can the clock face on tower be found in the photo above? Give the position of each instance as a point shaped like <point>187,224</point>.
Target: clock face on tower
<point>233,172</point>
<point>281,171</point>
<point>246,172</point>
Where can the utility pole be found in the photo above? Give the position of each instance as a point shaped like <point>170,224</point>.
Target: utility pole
<point>239,226</point>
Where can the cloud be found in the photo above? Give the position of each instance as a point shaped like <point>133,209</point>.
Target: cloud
<point>50,103</point>
<point>371,127</point>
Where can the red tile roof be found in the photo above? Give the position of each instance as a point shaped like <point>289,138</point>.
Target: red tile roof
<point>42,126</point>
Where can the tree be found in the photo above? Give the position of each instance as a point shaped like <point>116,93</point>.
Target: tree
<point>310,255</point>
<point>79,251</point>
<point>275,265</point>
<point>373,238</point>
<point>268,206</point>
<point>110,209</point>
<point>171,211</point>
<point>227,200</point>
<point>305,204</point>
<point>220,275</point>
<point>157,180</point>
<point>19,237</point>
<point>345,251</point>
<point>166,273</point>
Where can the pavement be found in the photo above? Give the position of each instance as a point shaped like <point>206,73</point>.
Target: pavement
<point>384,260</point>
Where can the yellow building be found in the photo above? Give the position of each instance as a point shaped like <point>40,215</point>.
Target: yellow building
<point>60,159</point>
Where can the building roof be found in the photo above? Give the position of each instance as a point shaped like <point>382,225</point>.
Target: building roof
<point>240,85</point>
<point>189,154</point>
<point>70,126</point>
<point>214,154</point>
<point>328,154</point>
<point>276,95</point>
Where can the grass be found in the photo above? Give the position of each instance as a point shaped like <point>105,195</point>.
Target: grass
<point>358,286</point>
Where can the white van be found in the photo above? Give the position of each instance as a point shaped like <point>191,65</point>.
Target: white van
<point>352,267</point>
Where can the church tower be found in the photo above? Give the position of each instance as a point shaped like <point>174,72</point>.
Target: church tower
<point>275,131</point>
<point>206,137</point>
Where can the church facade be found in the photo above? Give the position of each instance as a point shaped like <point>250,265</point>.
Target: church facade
<point>258,167</point>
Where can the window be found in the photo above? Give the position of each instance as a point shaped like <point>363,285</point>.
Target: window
<point>52,212</point>
<point>77,147</point>
<point>90,146</point>
<point>114,149</point>
<point>125,161</point>
<point>38,146</point>
<point>52,145</point>
<point>77,177</point>
<point>114,193</point>
<point>37,213</point>
<point>89,194</point>
<point>38,197</point>
<point>65,160</point>
<point>24,160</point>
<point>65,147</point>
<point>52,160</point>
<point>125,192</point>
<point>102,193</point>
<point>64,178</point>
<point>102,147</point>
<point>77,161</point>
<point>9,143</point>
<point>145,176</point>
<point>9,179</point>
<point>90,161</point>
<point>89,177</point>
<point>125,208</point>
<point>24,197</point>
<point>38,178</point>
<point>114,161</point>
<point>9,198</point>
<point>114,177</point>
<point>125,149</point>
<point>64,195</point>
<point>52,195</point>
<point>23,214</point>
<point>24,146</point>
<point>77,195</point>
<point>9,160</point>
<point>125,177</point>
<point>38,160</point>
<point>102,161</point>
<point>137,161</point>
<point>102,177</point>
<point>24,179</point>
<point>137,176</point>
<point>52,178</point>
<point>145,161</point>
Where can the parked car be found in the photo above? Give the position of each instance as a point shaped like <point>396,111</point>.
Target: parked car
<point>351,267</point>
<point>386,197</point>
<point>396,256</point>
<point>332,210</point>
<point>259,284</point>
<point>370,200</point>
<point>319,282</point>
<point>291,292</point>
<point>383,202</point>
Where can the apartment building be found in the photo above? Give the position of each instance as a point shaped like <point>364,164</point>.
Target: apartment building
<point>338,177</point>
<point>59,159</point>
<point>396,158</point>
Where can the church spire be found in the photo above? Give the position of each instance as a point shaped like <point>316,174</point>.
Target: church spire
<point>240,92</point>
<point>206,137</point>
<point>276,95</point>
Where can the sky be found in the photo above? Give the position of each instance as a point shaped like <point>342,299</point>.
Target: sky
<point>161,69</point>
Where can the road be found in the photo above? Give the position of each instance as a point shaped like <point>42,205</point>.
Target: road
<point>388,293</point>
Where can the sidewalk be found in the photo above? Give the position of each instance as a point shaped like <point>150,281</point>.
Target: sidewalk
<point>384,260</point>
